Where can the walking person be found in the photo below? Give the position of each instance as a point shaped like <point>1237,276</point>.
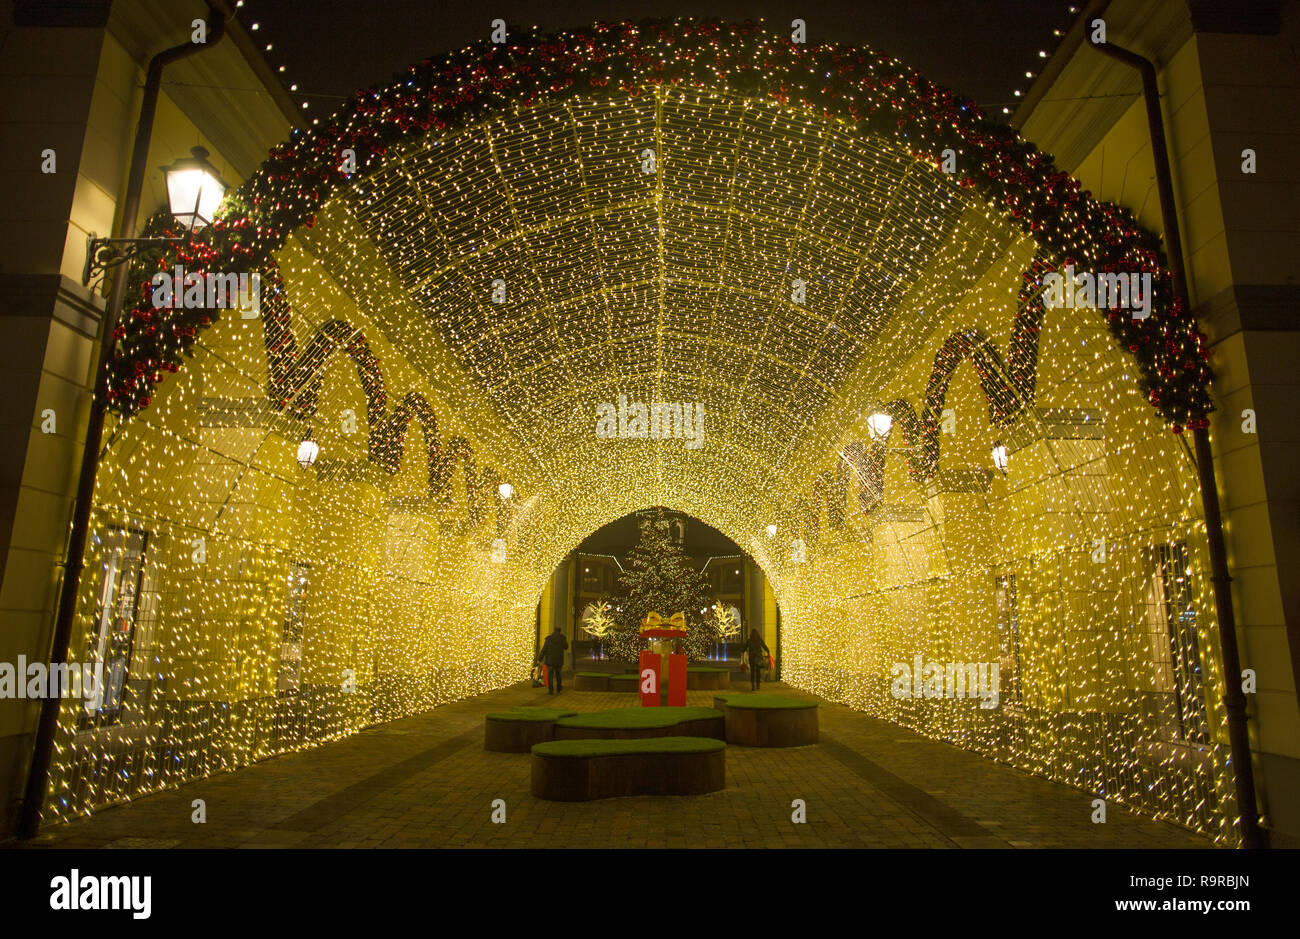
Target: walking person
<point>756,651</point>
<point>552,655</point>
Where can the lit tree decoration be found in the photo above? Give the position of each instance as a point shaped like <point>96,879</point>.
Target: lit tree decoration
<point>726,625</point>
<point>597,621</point>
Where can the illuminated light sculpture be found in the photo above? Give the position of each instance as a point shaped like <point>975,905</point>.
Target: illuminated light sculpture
<point>597,621</point>
<point>521,163</point>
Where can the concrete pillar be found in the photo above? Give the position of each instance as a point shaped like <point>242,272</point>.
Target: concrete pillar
<point>48,324</point>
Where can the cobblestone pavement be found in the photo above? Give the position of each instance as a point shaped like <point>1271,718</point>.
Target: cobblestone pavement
<point>426,781</point>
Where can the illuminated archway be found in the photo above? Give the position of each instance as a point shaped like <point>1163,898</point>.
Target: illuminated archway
<point>683,214</point>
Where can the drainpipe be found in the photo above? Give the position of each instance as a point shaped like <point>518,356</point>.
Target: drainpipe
<point>38,773</point>
<point>1234,701</point>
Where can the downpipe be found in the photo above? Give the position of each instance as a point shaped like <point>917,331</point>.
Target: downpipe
<point>1234,701</point>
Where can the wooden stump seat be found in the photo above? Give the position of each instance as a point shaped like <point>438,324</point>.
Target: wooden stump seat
<point>768,720</point>
<point>582,770</point>
<point>517,730</point>
<point>707,678</point>
<point>630,682</point>
<point>591,681</point>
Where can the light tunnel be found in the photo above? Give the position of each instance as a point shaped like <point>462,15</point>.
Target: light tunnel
<point>788,240</point>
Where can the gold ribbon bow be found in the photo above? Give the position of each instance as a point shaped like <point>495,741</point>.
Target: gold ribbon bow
<point>654,621</point>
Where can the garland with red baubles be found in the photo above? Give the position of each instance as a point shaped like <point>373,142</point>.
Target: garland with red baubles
<point>879,94</point>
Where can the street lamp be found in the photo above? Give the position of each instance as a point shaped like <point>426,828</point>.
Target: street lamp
<point>308,450</point>
<point>1000,458</point>
<point>879,424</point>
<point>194,191</point>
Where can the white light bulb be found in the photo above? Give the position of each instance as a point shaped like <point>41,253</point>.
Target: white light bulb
<point>1000,457</point>
<point>308,450</point>
<point>879,424</point>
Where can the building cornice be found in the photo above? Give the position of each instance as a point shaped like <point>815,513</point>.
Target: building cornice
<point>1080,94</point>
<point>231,93</point>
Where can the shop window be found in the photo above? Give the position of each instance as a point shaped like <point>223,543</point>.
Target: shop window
<point>1171,625</point>
<point>289,678</point>
<point>593,579</point>
<point>115,614</point>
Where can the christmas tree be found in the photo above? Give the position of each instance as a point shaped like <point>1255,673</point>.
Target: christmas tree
<point>659,576</point>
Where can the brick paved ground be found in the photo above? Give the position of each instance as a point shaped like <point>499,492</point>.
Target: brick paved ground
<point>426,781</point>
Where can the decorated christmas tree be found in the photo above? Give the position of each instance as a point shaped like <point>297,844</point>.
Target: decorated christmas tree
<point>660,577</point>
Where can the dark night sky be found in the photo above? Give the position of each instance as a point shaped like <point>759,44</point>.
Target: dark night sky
<point>981,48</point>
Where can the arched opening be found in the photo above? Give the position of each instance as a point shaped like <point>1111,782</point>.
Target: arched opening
<point>662,561</point>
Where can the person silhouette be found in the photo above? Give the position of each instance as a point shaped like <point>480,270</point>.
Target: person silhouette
<point>552,655</point>
<point>756,650</point>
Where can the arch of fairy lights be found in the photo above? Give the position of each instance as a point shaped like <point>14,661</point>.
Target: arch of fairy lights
<point>647,196</point>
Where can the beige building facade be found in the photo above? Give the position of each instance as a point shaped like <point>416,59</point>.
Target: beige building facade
<point>1228,81</point>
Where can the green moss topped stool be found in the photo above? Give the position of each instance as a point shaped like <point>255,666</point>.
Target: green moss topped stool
<point>591,681</point>
<point>768,720</point>
<point>640,723</point>
<point>517,730</point>
<point>707,678</point>
<point>628,682</point>
<point>581,770</point>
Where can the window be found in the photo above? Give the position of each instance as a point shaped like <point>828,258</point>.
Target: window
<point>119,596</point>
<point>1171,624</point>
<point>289,678</point>
<point>593,576</point>
<point>1004,589</point>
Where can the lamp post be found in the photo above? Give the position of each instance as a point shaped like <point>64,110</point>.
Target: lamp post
<point>43,748</point>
